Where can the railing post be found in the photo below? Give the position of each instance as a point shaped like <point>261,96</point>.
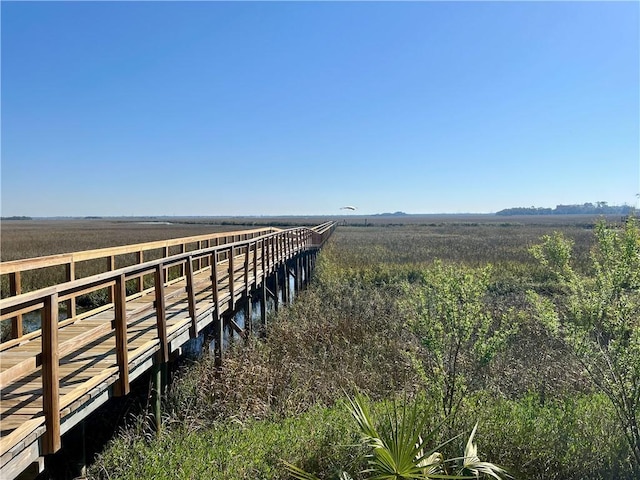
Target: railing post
<point>15,288</point>
<point>218,325</point>
<point>70,273</point>
<point>255,264</point>
<point>307,268</point>
<point>246,270</point>
<point>161,314</point>
<point>276,288</point>
<point>191,297</point>
<point>286,299</point>
<point>248,307</point>
<point>50,375</point>
<point>181,267</point>
<point>139,260</point>
<point>122,357</point>
<point>263,260</point>
<point>231,280</point>
<point>263,304</point>
<point>214,283</point>
<point>165,254</point>
<point>111,265</point>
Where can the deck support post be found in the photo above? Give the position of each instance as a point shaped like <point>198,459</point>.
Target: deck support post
<point>305,268</point>
<point>156,393</point>
<point>276,288</point>
<point>285,283</point>
<point>263,305</point>
<point>83,460</point>
<point>248,310</point>
<point>218,337</point>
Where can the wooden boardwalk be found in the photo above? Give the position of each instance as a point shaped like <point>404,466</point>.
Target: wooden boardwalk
<point>54,377</point>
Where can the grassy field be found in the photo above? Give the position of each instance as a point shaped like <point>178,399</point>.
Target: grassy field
<point>33,238</point>
<point>433,311</point>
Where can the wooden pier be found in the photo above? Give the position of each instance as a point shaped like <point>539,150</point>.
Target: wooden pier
<point>53,378</point>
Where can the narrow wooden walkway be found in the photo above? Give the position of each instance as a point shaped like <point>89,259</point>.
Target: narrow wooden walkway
<point>53,378</point>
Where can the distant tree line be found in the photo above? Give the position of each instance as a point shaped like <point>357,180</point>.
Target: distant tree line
<point>16,218</point>
<point>598,208</point>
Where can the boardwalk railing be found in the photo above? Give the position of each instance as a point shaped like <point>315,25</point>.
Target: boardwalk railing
<point>53,377</point>
<point>70,266</point>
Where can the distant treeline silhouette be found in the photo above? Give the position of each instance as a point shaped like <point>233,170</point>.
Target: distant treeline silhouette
<point>598,208</point>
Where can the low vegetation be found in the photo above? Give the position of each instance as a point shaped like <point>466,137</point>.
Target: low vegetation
<point>529,334</point>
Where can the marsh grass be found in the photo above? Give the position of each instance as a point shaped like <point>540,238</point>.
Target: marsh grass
<point>333,339</point>
<point>282,398</point>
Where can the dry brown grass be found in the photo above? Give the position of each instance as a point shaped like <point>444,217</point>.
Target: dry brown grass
<point>35,238</point>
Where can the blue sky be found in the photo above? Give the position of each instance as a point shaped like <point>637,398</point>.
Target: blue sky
<point>299,108</point>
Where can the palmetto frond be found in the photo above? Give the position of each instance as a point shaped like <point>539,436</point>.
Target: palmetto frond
<point>398,450</point>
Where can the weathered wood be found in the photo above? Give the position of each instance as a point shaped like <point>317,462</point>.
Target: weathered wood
<point>50,375</point>
<point>122,387</point>
<point>161,313</point>
<point>235,327</point>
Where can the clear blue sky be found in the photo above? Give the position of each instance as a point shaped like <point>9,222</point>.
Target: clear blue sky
<point>212,108</point>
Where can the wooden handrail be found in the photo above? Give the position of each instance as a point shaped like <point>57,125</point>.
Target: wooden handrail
<point>13,269</point>
<point>84,255</point>
<point>11,304</point>
<point>275,248</point>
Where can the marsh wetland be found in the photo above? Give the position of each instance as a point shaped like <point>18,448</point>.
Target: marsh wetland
<point>454,315</point>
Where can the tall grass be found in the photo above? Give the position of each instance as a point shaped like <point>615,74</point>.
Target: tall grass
<point>538,415</point>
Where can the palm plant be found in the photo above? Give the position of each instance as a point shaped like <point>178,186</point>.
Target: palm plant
<point>397,449</point>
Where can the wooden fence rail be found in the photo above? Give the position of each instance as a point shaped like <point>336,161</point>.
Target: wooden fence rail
<point>210,280</point>
<point>72,263</point>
